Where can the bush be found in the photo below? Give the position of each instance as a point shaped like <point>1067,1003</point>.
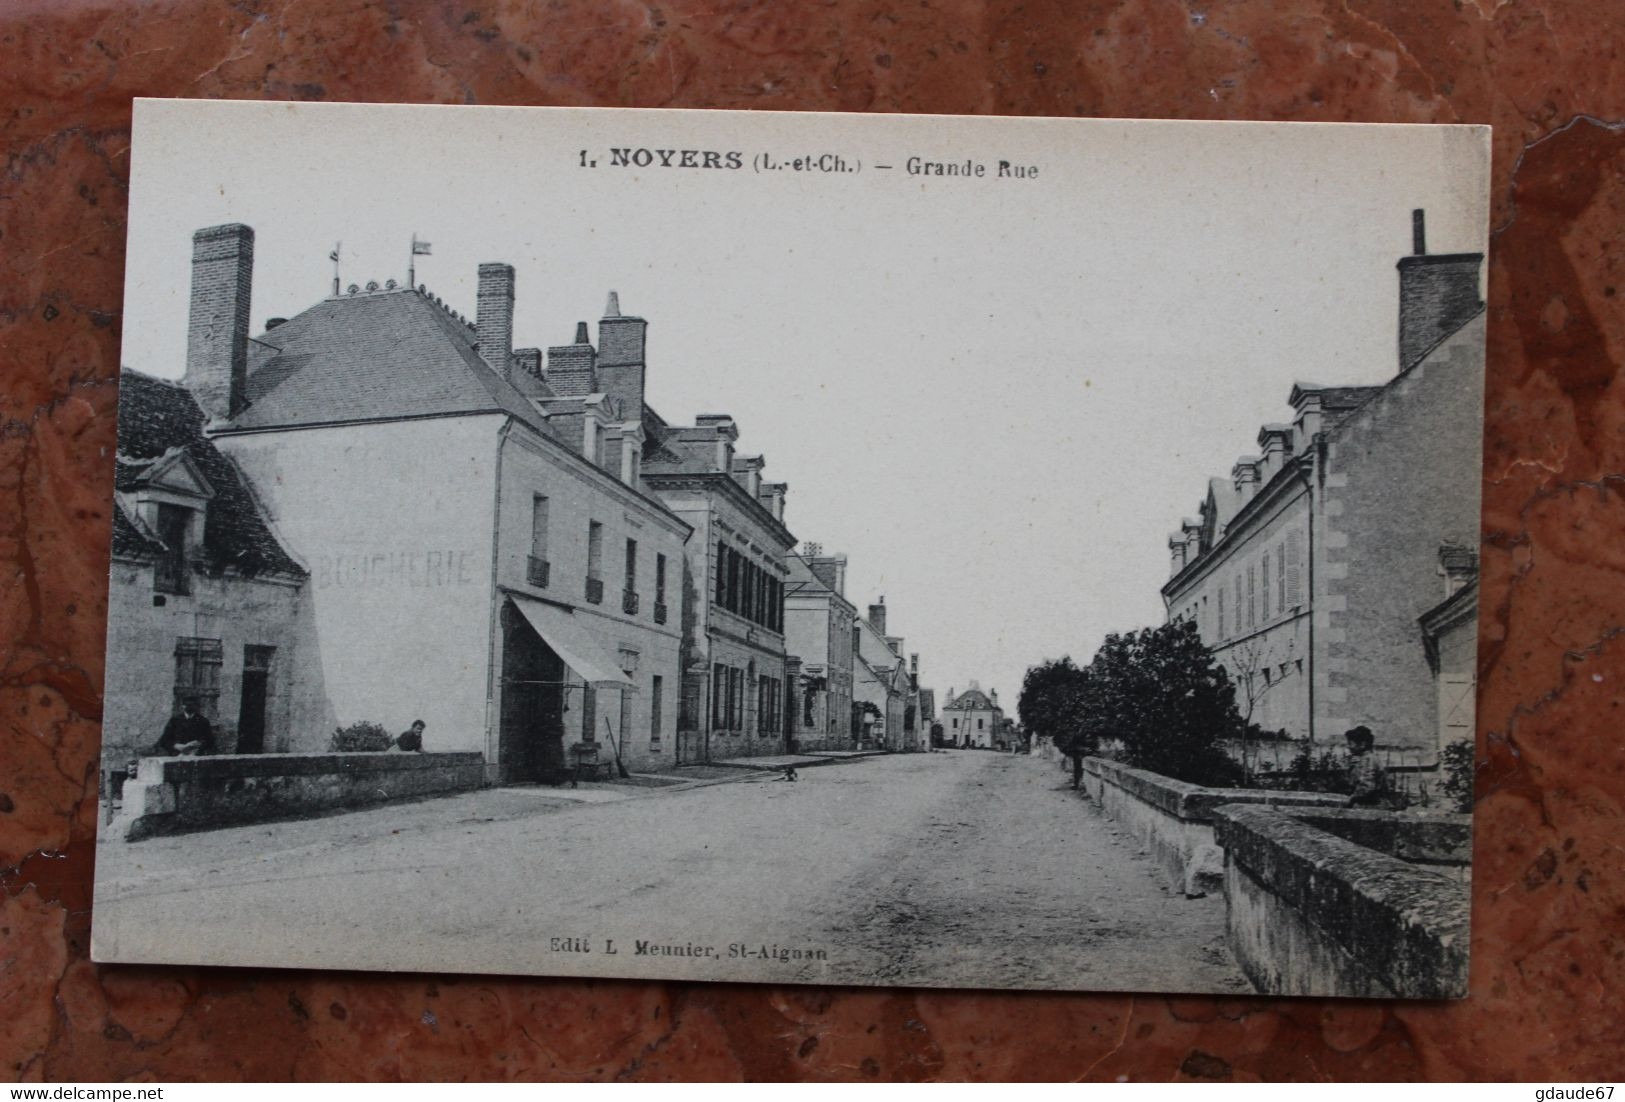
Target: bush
<point>1456,767</point>
<point>360,738</point>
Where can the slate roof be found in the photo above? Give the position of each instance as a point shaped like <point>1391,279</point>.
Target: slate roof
<point>970,698</point>
<point>373,356</point>
<point>155,416</point>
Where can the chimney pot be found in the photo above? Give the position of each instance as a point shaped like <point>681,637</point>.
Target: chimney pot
<point>581,333</point>
<point>1419,237</point>
<point>217,329</point>
<point>612,308</point>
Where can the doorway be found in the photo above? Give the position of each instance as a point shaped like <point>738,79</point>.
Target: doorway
<point>256,688</point>
<point>531,739</point>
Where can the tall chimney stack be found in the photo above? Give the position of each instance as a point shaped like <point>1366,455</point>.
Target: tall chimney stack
<point>493,317</point>
<point>217,329</point>
<point>877,616</point>
<point>621,341</point>
<point>1438,294</point>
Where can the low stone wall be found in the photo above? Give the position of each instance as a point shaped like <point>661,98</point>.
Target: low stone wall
<point>174,794</point>
<point>1313,912</point>
<point>1174,819</point>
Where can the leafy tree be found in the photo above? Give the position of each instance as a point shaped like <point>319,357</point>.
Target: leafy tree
<point>1048,702</point>
<point>1161,693</point>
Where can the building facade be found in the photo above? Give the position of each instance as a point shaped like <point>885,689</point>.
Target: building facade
<point>735,687</point>
<point>1307,570</point>
<point>818,621</point>
<point>205,602</point>
<point>881,688</point>
<point>973,720</point>
<point>482,553</point>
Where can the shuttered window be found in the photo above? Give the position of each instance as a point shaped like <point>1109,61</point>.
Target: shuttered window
<point>1294,569</point>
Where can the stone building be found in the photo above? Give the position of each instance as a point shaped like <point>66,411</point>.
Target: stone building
<point>482,552</point>
<point>1307,570</point>
<point>735,679</point>
<point>880,684</point>
<point>972,719</point>
<point>818,621</point>
<point>205,601</point>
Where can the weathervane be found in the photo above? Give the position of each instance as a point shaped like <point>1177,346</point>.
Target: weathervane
<point>419,248</point>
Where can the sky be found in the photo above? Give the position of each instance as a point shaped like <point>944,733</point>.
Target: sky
<point>996,395</point>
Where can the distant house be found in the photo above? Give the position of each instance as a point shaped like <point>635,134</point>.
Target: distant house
<point>973,719</point>
<point>205,601</point>
<point>1307,570</point>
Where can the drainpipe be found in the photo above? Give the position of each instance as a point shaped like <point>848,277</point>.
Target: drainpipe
<point>493,675</point>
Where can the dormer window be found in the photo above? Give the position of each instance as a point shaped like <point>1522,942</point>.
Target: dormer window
<point>167,497</point>
<point>170,573</point>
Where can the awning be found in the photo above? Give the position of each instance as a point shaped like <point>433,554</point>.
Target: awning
<point>569,638</point>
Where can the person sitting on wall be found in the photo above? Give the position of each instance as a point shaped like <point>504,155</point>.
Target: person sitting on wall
<point>188,734</point>
<point>1366,781</point>
<point>411,739</point>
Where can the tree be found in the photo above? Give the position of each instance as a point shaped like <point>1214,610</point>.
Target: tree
<point>1160,692</point>
<point>1051,706</point>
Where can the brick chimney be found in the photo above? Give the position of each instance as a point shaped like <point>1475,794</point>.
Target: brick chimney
<point>829,569</point>
<point>1438,294</point>
<point>772,495</point>
<point>493,317</point>
<point>217,329</point>
<point>877,617</point>
<point>621,341</point>
<point>572,368</point>
<point>727,432</point>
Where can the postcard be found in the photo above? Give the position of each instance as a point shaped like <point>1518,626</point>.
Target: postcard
<point>796,548</point>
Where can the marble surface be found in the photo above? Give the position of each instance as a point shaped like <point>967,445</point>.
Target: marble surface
<point>1549,897</point>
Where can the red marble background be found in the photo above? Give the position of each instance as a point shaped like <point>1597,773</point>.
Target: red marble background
<point>1548,989</point>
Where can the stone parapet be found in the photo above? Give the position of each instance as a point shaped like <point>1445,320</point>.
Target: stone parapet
<point>1173,819</point>
<point>174,794</point>
<point>1312,912</point>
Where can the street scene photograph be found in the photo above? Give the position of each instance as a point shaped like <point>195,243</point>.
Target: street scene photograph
<point>861,550</point>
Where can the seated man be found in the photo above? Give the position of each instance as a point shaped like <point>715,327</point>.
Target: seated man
<point>1366,779</point>
<point>187,734</point>
<point>411,739</point>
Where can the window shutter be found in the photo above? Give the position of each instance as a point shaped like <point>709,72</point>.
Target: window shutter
<point>1280,576</point>
<point>1294,569</point>
<point>1252,596</point>
<point>1264,584</point>
<point>1224,625</point>
<point>1239,619</point>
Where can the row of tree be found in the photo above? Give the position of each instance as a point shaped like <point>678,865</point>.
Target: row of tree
<point>1155,698</point>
